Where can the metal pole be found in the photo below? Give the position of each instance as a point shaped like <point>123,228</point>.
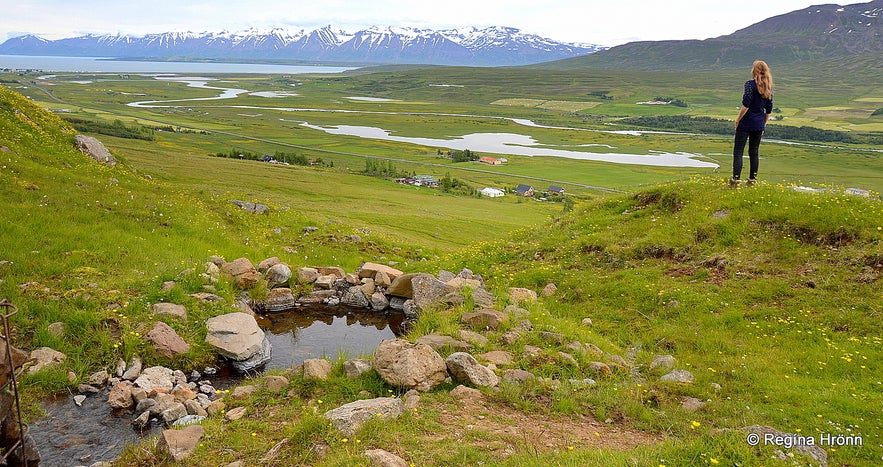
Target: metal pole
<point>19,444</point>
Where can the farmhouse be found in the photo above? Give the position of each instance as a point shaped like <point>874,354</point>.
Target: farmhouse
<point>555,190</point>
<point>490,160</point>
<point>524,190</point>
<point>491,192</point>
<point>419,180</point>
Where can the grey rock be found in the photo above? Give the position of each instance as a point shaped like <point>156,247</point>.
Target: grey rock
<point>678,376</point>
<point>95,149</point>
<point>187,420</point>
<point>175,411</point>
<point>248,206</point>
<point>465,368</point>
<point>258,359</point>
<point>437,342</point>
<point>663,363</point>
<point>354,297</point>
<point>180,444</point>
<point>156,377</point>
<point>378,301</point>
<point>354,368</point>
<point>317,368</point>
<point>381,458</point>
<point>166,341</point>
<point>99,378</point>
<point>397,303</point>
<point>236,336</point>
<point>350,417</point>
<point>133,371</point>
<point>278,274</point>
<point>484,319</point>
<point>140,422</point>
<point>170,309</point>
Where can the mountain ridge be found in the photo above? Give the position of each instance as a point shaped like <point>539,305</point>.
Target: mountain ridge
<point>490,46</point>
<point>817,32</point>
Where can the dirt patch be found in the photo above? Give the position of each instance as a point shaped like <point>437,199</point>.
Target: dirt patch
<point>506,430</point>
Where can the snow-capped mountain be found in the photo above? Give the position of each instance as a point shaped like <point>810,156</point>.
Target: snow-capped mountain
<point>493,46</point>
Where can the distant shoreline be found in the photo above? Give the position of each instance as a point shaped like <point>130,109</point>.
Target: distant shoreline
<point>127,65</point>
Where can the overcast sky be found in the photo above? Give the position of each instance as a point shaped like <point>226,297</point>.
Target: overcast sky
<point>607,22</point>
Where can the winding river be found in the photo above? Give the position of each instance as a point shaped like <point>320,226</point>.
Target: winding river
<point>489,143</point>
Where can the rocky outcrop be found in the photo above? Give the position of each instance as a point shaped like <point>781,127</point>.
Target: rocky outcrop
<point>248,206</point>
<point>95,149</point>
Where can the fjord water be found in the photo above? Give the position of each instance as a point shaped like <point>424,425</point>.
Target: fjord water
<point>111,65</point>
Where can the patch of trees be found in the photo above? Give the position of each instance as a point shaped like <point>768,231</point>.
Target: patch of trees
<point>277,157</point>
<point>603,95</point>
<point>877,113</point>
<point>671,101</point>
<point>456,186</point>
<point>725,127</point>
<point>382,169</point>
<point>116,128</point>
<point>460,156</point>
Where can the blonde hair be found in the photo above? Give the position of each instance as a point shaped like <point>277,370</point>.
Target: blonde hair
<point>760,71</point>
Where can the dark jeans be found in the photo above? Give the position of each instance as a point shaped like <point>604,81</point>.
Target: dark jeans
<point>753,140</point>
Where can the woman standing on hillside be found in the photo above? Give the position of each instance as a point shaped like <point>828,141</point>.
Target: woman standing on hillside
<point>757,104</point>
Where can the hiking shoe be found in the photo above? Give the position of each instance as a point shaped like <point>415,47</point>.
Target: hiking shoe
<point>751,181</point>
<point>734,182</point>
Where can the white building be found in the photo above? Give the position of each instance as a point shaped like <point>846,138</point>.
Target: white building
<point>491,192</point>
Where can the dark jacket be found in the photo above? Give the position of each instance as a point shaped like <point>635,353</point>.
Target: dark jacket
<point>758,108</point>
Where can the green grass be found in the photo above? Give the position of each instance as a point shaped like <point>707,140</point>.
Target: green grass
<point>770,293</point>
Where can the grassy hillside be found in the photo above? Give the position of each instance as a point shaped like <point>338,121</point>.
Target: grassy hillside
<point>769,296</point>
<point>82,241</point>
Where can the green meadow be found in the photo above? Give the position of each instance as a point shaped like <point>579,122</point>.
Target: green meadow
<point>769,296</point>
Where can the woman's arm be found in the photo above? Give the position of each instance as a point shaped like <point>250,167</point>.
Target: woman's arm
<point>742,112</point>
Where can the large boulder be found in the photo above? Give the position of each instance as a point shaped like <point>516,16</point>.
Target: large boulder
<point>428,291</point>
<point>350,417</point>
<point>95,149</point>
<point>411,366</point>
<point>166,341</point>
<point>236,336</point>
<point>465,369</point>
<point>242,272</point>
<point>401,286</point>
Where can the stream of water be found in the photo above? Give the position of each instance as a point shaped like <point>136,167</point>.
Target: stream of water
<point>70,435</point>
